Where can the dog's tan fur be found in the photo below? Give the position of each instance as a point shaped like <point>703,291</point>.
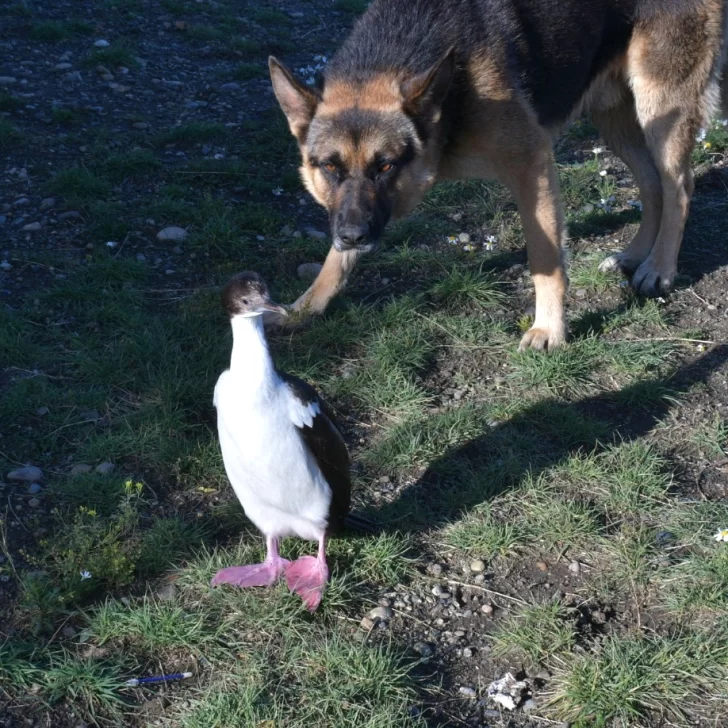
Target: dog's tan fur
<point>649,103</point>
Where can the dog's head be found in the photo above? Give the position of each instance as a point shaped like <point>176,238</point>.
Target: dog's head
<point>370,147</point>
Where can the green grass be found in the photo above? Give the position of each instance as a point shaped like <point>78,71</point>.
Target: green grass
<point>91,687</point>
<point>246,71</point>
<point>53,31</point>
<point>352,6</point>
<point>120,166</point>
<point>636,681</point>
<point>270,16</point>
<point>191,133</point>
<point>80,183</point>
<point>120,53</point>
<point>536,632</point>
<point>9,103</point>
<point>9,134</point>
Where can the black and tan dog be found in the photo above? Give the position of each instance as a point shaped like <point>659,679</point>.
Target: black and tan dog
<point>425,90</point>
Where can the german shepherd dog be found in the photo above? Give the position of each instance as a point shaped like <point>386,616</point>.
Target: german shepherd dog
<point>426,90</point>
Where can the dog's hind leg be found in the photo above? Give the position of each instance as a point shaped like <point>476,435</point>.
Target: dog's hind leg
<point>672,68</point>
<point>621,130</point>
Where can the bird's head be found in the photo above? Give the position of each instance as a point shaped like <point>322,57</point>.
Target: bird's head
<point>247,295</point>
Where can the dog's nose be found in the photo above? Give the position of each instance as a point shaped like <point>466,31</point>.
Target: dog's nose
<point>353,235</point>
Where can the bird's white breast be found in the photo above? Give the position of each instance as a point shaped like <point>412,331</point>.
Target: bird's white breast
<point>274,475</point>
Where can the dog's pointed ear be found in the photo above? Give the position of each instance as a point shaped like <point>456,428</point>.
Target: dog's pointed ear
<point>427,90</point>
<point>297,101</point>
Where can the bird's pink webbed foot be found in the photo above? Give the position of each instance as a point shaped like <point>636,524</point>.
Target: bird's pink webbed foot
<point>265,574</point>
<point>307,577</point>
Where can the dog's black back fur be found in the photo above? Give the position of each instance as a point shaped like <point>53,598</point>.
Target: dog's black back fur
<point>553,48</point>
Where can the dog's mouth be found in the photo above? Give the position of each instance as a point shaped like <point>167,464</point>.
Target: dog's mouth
<point>367,247</point>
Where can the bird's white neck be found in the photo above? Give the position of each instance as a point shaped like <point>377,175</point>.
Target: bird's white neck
<point>250,359</point>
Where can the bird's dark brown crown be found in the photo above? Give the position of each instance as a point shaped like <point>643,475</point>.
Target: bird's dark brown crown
<point>244,292</point>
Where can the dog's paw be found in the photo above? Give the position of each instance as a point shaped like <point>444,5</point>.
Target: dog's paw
<point>652,282</point>
<point>542,338</point>
<point>619,263</point>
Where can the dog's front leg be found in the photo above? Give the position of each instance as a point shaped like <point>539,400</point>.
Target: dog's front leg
<point>329,282</point>
<point>535,186</point>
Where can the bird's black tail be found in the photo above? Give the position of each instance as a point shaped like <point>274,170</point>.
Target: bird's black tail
<point>355,522</point>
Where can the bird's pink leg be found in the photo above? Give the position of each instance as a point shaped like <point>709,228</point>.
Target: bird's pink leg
<point>307,577</point>
<point>265,574</point>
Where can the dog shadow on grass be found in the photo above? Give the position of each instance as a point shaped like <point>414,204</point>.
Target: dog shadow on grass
<point>536,439</point>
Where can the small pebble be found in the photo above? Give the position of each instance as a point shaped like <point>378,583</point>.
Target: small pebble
<point>172,234</point>
<point>32,227</point>
<point>101,43</point>
<point>381,614</point>
<point>167,592</point>
<point>28,474</point>
<point>34,488</point>
<point>42,411</point>
<point>104,468</point>
<point>308,271</point>
<point>80,469</point>
<point>542,566</point>
<point>529,706</point>
<point>315,234</point>
<point>468,692</point>
<point>486,609</point>
<point>464,238</point>
<point>575,568</point>
<point>69,632</point>
<point>367,624</point>
<point>425,649</point>
<point>34,502</point>
<point>477,566</point>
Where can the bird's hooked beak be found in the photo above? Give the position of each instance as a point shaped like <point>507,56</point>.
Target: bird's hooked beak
<point>271,307</point>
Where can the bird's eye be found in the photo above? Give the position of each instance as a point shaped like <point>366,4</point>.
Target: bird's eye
<point>387,167</point>
<point>330,167</point>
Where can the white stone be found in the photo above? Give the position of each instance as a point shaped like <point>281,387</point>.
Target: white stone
<point>172,234</point>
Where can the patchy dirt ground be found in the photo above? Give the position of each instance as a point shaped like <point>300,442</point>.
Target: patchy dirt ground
<point>540,515</point>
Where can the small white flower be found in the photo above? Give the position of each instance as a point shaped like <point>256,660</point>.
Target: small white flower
<point>111,244</point>
<point>85,575</point>
<point>603,173</point>
<point>598,150</point>
<point>469,248</point>
<point>452,239</point>
<point>722,535</point>
<point>278,191</point>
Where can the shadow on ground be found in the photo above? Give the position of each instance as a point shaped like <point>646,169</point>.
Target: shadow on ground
<point>539,438</point>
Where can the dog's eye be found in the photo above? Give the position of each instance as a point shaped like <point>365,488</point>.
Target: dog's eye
<point>330,167</point>
<point>245,302</point>
<point>386,167</point>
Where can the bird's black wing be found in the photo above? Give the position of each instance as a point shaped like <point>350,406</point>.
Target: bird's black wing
<point>323,438</point>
